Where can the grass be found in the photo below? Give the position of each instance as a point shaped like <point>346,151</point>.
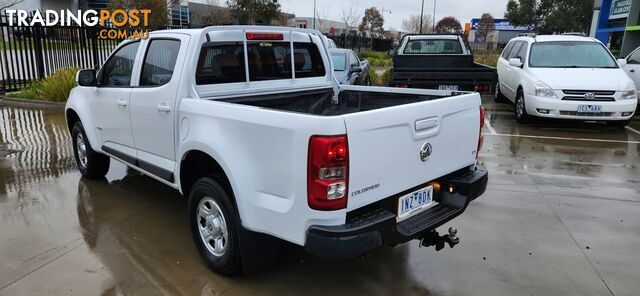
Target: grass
<point>487,57</point>
<point>377,58</point>
<point>55,88</point>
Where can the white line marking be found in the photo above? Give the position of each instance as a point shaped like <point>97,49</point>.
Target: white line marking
<point>488,125</point>
<point>632,129</point>
<point>562,138</point>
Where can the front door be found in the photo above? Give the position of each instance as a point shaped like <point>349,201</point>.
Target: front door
<point>153,102</point>
<point>633,67</point>
<point>110,102</point>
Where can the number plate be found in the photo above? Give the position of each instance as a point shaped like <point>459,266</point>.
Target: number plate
<point>589,108</point>
<point>414,202</point>
<point>448,87</point>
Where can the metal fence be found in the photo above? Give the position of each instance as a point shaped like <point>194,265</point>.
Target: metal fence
<point>32,53</point>
<point>362,43</point>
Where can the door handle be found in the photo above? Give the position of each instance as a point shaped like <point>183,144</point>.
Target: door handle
<point>426,124</point>
<point>122,103</point>
<point>163,108</point>
<point>632,71</point>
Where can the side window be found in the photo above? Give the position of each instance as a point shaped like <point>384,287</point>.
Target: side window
<point>522,54</point>
<point>507,49</point>
<point>307,59</point>
<point>159,62</point>
<point>635,58</point>
<point>117,70</point>
<point>515,50</point>
<point>221,63</point>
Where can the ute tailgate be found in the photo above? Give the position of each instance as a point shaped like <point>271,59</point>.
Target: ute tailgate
<point>385,144</point>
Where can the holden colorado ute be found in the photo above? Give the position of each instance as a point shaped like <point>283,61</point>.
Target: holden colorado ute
<point>249,123</point>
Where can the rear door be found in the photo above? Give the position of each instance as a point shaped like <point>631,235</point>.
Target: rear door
<point>153,116</point>
<point>450,125</point>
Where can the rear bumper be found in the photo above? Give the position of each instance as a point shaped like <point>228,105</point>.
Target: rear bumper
<point>373,229</point>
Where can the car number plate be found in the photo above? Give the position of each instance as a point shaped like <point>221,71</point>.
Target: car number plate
<point>589,108</point>
<point>448,87</point>
<point>414,202</point>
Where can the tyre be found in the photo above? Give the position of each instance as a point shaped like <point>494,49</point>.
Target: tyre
<point>91,164</point>
<point>498,97</point>
<point>619,123</point>
<point>520,109</point>
<point>214,226</point>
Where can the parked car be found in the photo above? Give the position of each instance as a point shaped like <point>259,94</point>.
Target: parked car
<point>632,67</point>
<point>562,76</point>
<point>248,123</point>
<point>439,61</point>
<point>348,68</point>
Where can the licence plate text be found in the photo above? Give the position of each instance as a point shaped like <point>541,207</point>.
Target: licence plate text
<point>448,87</point>
<point>414,202</point>
<point>589,108</point>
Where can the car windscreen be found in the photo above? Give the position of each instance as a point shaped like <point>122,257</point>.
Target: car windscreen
<point>570,54</point>
<point>433,46</point>
<point>339,61</point>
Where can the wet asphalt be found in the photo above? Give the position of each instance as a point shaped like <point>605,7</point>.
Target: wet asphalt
<point>561,216</point>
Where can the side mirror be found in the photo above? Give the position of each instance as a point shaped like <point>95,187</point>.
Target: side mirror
<point>515,62</point>
<point>86,77</point>
<point>391,52</point>
<point>356,69</point>
<point>622,62</point>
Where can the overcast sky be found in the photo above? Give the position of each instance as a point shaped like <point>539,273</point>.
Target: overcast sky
<point>463,10</point>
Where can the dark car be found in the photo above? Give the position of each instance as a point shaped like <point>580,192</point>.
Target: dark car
<point>348,68</point>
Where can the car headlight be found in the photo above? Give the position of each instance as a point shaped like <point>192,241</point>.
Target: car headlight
<point>543,90</point>
<point>629,92</point>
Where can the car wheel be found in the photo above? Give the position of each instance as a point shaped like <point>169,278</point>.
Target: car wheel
<point>91,164</point>
<point>498,97</point>
<point>214,226</point>
<point>520,109</point>
<point>618,123</point>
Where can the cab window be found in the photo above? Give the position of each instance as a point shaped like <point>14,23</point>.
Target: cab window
<point>221,63</point>
<point>159,63</point>
<point>116,72</point>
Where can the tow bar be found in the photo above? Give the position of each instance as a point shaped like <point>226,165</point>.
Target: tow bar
<point>433,238</point>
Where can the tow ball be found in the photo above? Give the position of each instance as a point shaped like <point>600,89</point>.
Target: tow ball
<point>433,238</point>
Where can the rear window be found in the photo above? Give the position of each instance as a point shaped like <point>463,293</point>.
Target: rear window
<point>221,63</point>
<point>225,62</point>
<point>433,46</point>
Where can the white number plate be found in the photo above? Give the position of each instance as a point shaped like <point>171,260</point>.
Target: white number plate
<point>415,202</point>
<point>448,87</point>
<point>589,108</point>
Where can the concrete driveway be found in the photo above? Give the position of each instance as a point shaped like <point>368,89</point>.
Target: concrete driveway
<point>560,217</point>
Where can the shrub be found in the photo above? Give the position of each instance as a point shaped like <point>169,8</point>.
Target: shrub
<point>54,88</point>
<point>373,77</point>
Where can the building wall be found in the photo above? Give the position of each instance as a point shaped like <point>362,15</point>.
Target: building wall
<point>620,35</point>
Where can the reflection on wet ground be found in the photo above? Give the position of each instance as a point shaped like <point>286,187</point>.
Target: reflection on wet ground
<point>560,217</point>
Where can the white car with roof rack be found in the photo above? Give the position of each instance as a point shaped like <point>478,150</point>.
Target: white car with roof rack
<point>565,77</point>
<point>250,124</point>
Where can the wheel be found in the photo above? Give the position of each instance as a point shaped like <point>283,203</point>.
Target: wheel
<point>520,109</point>
<point>619,123</point>
<point>91,164</point>
<point>214,226</point>
<point>498,97</point>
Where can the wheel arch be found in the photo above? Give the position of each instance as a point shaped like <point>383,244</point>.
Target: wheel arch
<point>195,164</point>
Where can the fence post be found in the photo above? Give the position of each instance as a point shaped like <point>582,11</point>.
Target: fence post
<point>93,34</point>
<point>39,53</point>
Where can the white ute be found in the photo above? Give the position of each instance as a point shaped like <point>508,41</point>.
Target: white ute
<point>249,123</point>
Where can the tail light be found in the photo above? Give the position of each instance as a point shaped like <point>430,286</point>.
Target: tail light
<point>265,36</point>
<point>482,88</point>
<point>328,173</point>
<point>402,85</point>
<point>480,136</point>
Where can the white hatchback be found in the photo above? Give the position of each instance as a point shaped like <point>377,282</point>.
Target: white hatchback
<point>568,77</point>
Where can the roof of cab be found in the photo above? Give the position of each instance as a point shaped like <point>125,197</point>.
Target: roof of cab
<point>235,27</point>
<point>549,38</point>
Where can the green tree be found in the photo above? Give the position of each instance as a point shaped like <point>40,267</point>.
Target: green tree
<point>449,24</point>
<point>159,17</point>
<point>550,16</point>
<point>372,22</point>
<point>248,11</point>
